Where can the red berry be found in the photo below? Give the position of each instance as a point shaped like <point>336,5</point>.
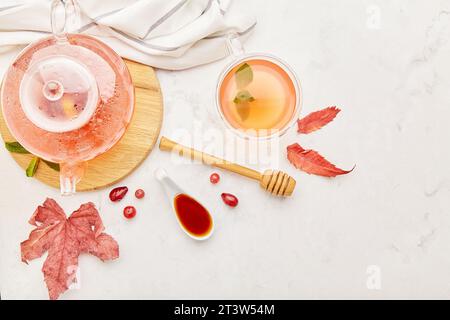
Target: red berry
<point>139,193</point>
<point>129,212</point>
<point>118,193</point>
<point>230,199</point>
<point>214,178</point>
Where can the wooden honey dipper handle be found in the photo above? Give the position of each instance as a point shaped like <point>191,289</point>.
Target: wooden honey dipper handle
<point>276,182</point>
<point>168,145</point>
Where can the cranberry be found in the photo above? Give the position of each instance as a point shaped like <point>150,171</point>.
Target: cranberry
<point>118,193</point>
<point>214,178</point>
<point>129,212</point>
<point>230,199</point>
<point>139,193</point>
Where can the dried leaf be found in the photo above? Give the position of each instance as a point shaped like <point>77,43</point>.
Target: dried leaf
<point>65,239</point>
<point>32,167</point>
<point>312,162</point>
<point>15,147</point>
<point>316,120</point>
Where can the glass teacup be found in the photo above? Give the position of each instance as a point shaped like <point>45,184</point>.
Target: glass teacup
<point>257,95</point>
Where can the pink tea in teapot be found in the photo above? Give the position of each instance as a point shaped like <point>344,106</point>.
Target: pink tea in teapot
<point>68,102</point>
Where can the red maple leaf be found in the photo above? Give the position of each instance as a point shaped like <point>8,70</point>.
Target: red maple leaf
<point>312,162</point>
<point>316,120</point>
<point>65,239</point>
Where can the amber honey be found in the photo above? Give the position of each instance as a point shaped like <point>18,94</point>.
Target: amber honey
<point>258,94</point>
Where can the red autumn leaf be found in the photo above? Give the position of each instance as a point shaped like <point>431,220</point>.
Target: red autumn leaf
<point>312,162</point>
<point>65,239</point>
<point>316,120</point>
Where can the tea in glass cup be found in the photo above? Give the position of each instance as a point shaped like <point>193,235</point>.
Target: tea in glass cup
<point>258,96</point>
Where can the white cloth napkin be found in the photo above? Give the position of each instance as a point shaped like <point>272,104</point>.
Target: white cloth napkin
<point>168,34</point>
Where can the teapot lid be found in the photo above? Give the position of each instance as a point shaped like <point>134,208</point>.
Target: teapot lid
<point>58,94</point>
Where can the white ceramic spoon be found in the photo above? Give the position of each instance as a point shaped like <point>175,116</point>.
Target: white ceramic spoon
<point>172,191</point>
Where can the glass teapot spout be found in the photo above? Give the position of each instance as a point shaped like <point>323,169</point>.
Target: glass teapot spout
<point>70,174</point>
<point>64,19</point>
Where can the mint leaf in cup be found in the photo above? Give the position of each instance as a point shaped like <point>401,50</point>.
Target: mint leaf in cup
<point>242,101</point>
<point>243,96</point>
<point>243,109</point>
<point>244,76</point>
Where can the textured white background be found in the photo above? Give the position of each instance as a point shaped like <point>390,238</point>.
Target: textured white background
<point>386,64</point>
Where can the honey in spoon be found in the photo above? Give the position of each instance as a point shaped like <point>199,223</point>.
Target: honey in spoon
<point>194,218</point>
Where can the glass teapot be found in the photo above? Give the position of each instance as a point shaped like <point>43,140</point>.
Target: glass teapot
<point>67,98</point>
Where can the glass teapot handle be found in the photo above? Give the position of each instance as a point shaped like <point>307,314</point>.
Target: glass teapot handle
<point>64,16</point>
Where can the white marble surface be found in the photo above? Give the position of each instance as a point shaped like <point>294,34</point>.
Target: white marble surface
<point>386,64</point>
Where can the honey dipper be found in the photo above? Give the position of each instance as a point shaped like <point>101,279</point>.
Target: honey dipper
<point>276,182</point>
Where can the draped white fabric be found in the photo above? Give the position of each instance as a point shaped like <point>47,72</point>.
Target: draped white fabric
<point>168,34</point>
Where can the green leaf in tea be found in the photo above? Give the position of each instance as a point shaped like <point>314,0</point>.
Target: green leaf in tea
<point>242,101</point>
<point>54,166</point>
<point>243,96</point>
<point>15,147</point>
<point>243,109</point>
<point>244,76</point>
<point>32,167</point>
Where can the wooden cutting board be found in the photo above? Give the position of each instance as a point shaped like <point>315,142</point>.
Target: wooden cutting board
<point>137,142</point>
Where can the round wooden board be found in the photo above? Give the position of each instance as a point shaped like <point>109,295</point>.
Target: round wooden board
<point>129,152</point>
